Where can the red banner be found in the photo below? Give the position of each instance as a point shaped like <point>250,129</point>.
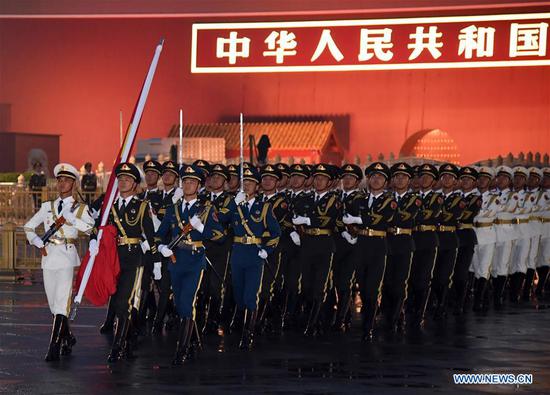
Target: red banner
<point>379,44</point>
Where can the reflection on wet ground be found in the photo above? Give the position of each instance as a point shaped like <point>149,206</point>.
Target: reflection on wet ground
<point>513,341</point>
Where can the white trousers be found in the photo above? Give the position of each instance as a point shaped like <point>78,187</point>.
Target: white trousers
<point>481,261</point>
<point>520,254</point>
<point>501,258</point>
<point>58,284</point>
<point>543,258</point>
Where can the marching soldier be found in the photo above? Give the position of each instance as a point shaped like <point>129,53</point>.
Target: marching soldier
<point>256,235</point>
<point>205,167</point>
<point>506,234</point>
<point>161,274</point>
<point>291,266</point>
<point>268,307</point>
<point>543,259</point>
<point>453,206</point>
<point>534,199</point>
<point>232,186</point>
<point>426,243</point>
<point>520,248</point>
<point>400,244</point>
<point>370,218</point>
<point>59,254</point>
<point>317,245</point>
<point>344,264</point>
<point>466,236</point>
<point>195,222</point>
<point>217,250</point>
<point>131,218</point>
<point>485,236</point>
<point>284,170</point>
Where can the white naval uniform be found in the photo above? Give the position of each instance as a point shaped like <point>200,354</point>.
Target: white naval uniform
<point>486,234</point>
<point>505,232</point>
<point>520,249</point>
<point>61,259</point>
<point>535,226</point>
<point>543,258</point>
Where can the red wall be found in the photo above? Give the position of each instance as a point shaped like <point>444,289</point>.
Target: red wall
<point>71,77</point>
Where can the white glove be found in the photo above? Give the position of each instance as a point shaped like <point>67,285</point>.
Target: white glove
<point>196,223</point>
<point>299,220</point>
<point>93,247</point>
<point>178,194</point>
<point>241,197</point>
<point>69,216</point>
<point>262,254</point>
<point>37,242</point>
<point>157,274</point>
<point>349,238</point>
<point>145,246</point>
<point>350,219</point>
<point>295,238</point>
<point>165,251</point>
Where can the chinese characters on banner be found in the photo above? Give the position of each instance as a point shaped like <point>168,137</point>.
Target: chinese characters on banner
<point>380,44</point>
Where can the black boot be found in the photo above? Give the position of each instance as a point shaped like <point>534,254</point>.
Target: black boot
<point>542,273</point>
<point>68,339</point>
<point>212,317</point>
<point>499,283</point>
<point>185,332</point>
<point>237,320</point>
<point>460,294</point>
<point>479,292</point>
<point>249,323</point>
<point>107,326</point>
<point>313,317</point>
<point>119,340</point>
<point>528,285</point>
<point>55,340</point>
<point>516,282</point>
<point>369,311</point>
<point>440,294</point>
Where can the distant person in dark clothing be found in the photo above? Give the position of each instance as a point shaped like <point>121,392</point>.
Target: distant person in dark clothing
<point>36,183</point>
<point>89,183</point>
<point>263,147</point>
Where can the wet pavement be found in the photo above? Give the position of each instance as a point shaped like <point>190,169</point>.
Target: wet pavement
<point>516,341</point>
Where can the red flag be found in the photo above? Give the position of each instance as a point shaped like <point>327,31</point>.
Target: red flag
<point>105,271</point>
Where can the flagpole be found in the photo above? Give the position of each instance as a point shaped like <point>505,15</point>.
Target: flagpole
<point>123,155</point>
<point>180,158</point>
<point>120,127</point>
<point>241,159</point>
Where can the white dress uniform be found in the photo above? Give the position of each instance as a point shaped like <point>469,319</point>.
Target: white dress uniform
<point>543,258</point>
<point>62,257</point>
<point>520,249</point>
<point>535,225</point>
<point>505,233</point>
<point>486,234</point>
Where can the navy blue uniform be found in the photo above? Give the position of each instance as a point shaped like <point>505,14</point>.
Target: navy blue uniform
<point>254,228</point>
<point>186,273</point>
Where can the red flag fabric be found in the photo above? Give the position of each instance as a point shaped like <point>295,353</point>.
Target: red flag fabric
<point>106,269</point>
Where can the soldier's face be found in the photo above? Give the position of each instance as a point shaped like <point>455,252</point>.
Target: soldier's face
<point>151,178</point>
<point>467,183</point>
<point>216,181</point>
<point>377,182</point>
<point>296,181</point>
<point>233,182</point>
<point>503,181</point>
<point>349,182</point>
<point>250,187</point>
<point>190,186</point>
<point>269,183</point>
<point>533,181</point>
<point>309,182</point>
<point>519,181</point>
<point>483,182</point>
<point>283,182</point>
<point>546,182</point>
<point>448,181</point>
<point>401,181</point>
<point>426,181</point>
<point>64,185</point>
<point>168,178</point>
<point>126,184</point>
<point>321,183</point>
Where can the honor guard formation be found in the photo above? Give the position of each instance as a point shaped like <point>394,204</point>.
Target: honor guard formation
<point>296,248</point>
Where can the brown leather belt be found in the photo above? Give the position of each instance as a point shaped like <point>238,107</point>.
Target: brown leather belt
<point>505,221</point>
<point>371,232</point>
<point>400,231</point>
<point>317,232</point>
